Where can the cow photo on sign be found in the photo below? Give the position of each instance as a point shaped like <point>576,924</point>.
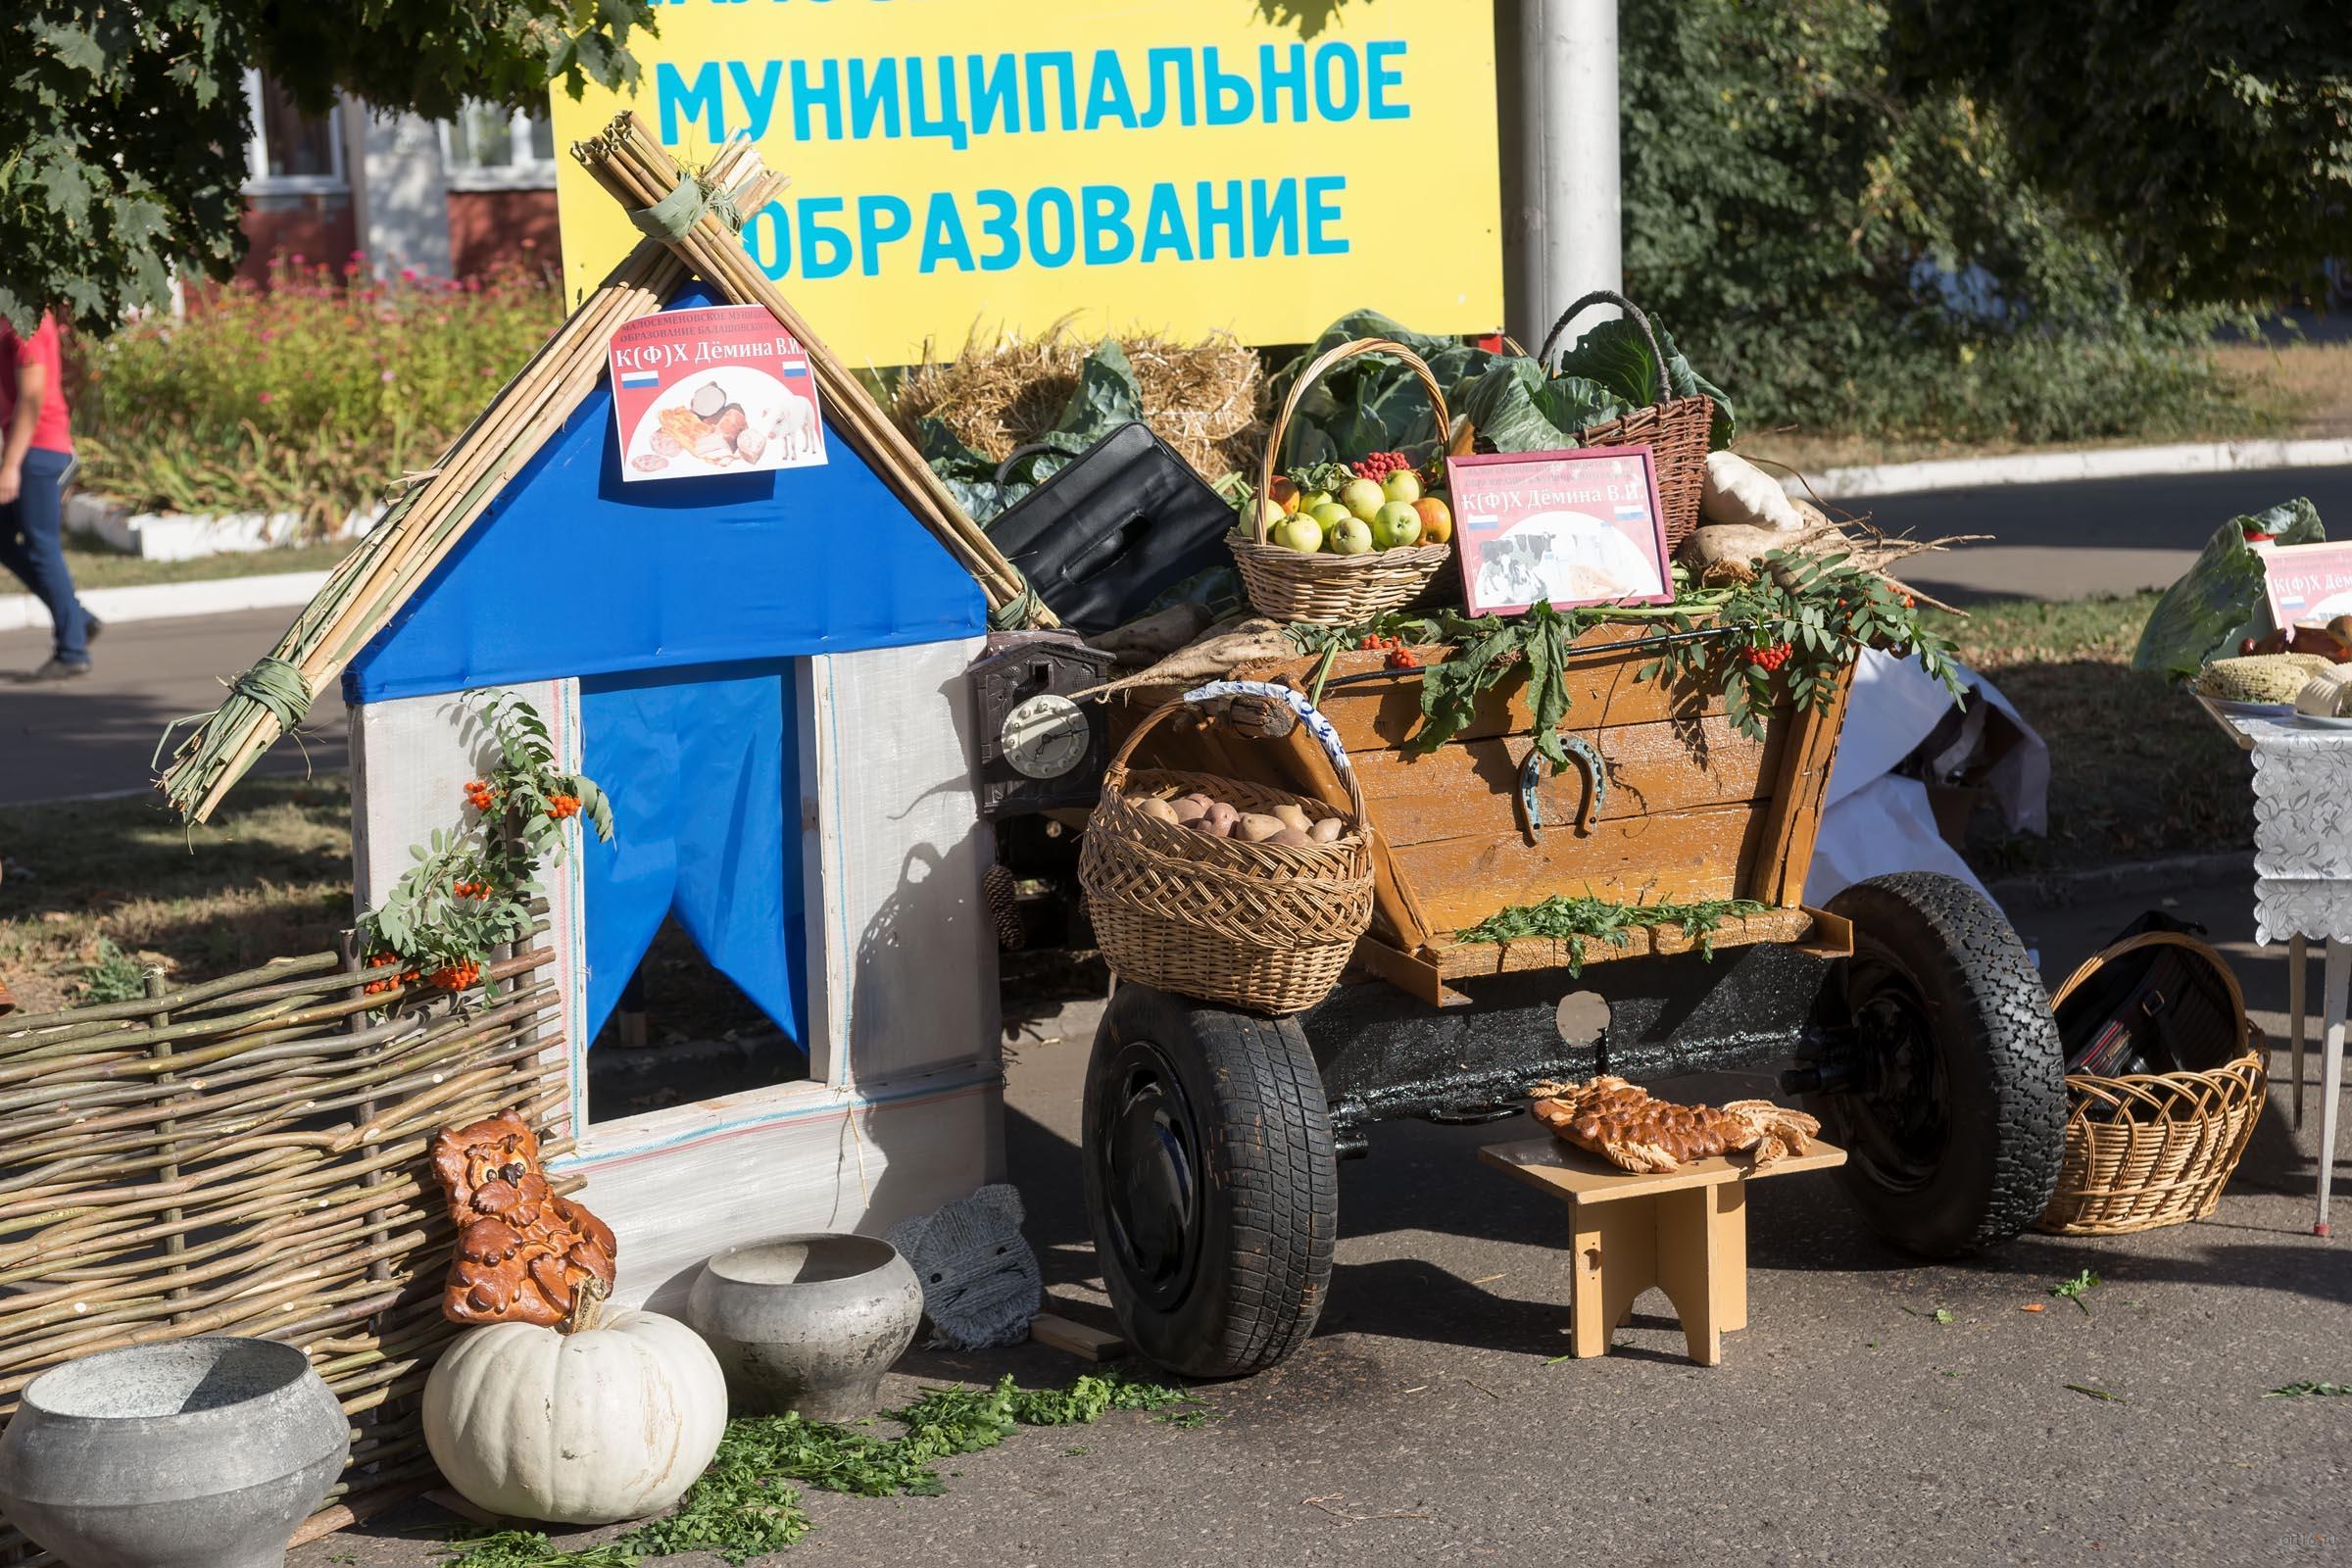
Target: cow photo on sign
<point>1569,528</point>
<point>719,390</point>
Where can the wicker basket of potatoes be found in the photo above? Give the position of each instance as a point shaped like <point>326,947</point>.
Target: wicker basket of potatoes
<point>1223,889</point>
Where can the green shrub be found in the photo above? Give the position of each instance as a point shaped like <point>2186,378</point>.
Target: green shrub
<point>1846,256</point>
<point>310,395</point>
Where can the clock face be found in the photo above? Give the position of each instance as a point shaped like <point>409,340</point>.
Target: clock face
<point>1045,737</point>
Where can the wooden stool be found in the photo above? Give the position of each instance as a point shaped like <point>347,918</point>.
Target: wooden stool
<point>1685,1232</point>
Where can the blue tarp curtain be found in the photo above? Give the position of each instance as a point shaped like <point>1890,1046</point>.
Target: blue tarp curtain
<point>701,769</point>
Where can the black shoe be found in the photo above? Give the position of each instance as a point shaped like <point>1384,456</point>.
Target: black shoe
<point>59,669</point>
<point>91,626</point>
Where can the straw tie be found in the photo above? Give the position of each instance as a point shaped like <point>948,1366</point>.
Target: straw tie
<point>274,683</point>
<point>1019,613</point>
<point>674,215</point>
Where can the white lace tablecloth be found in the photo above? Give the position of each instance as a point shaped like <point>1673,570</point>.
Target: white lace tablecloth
<point>2302,829</point>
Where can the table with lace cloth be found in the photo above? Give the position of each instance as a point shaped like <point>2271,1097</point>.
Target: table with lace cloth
<point>2303,886</point>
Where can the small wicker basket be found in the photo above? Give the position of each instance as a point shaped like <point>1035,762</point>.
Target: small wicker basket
<point>1295,585</point>
<point>2149,1150</point>
<point>1263,926</point>
<point>1676,430</point>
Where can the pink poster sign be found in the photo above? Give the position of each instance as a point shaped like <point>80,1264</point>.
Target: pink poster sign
<point>2307,583</point>
<point>719,390</point>
<point>1578,527</point>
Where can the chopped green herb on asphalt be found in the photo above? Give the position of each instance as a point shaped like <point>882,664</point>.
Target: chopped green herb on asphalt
<point>742,1509</point>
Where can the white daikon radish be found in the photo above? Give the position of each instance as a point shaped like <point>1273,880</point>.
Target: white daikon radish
<point>1738,491</point>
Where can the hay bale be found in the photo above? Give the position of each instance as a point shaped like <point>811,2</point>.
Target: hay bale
<point>1201,398</point>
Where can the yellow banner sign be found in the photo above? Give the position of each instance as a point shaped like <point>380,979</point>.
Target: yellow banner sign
<point>1171,166</point>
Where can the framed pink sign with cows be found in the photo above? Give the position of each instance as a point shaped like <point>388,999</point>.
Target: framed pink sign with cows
<point>1567,528</point>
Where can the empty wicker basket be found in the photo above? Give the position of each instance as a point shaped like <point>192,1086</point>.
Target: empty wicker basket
<point>1263,926</point>
<point>2148,1149</point>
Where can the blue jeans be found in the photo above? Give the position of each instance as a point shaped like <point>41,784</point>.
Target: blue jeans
<point>32,547</point>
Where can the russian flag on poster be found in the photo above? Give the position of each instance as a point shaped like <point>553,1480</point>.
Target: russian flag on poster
<point>718,390</point>
<point>1633,514</point>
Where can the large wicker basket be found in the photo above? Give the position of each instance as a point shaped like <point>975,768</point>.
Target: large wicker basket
<point>1262,926</point>
<point>1333,590</point>
<point>2148,1149</point>
<point>1676,429</point>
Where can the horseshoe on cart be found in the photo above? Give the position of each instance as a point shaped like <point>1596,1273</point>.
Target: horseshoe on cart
<point>1597,784</point>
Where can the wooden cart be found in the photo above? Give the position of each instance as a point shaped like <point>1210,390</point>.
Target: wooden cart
<point>1919,1028</point>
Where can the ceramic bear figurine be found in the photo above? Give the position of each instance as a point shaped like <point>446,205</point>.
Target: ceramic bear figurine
<point>980,1280</point>
<point>523,1252</point>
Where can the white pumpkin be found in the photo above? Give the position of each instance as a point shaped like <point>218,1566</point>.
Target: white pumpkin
<point>612,1422</point>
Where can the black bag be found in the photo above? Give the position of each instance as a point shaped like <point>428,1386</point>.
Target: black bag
<point>2148,1004</point>
<point>1107,532</point>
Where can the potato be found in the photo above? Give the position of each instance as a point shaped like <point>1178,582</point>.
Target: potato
<point>1210,826</point>
<point>1188,808</point>
<point>1326,831</point>
<point>1294,816</point>
<point>1159,811</point>
<point>1258,827</point>
<point>1290,838</point>
<point>1220,817</point>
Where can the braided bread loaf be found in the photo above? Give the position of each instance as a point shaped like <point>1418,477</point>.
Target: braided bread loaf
<point>1629,1127</point>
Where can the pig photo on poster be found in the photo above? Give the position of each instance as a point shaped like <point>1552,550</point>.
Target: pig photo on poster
<point>1566,528</point>
<point>718,390</point>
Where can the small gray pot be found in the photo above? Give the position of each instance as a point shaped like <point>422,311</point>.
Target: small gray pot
<point>806,1323</point>
<point>192,1453</point>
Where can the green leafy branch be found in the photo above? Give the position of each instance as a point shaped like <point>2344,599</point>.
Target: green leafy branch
<point>1578,920</point>
<point>1795,628</point>
<point>470,891</point>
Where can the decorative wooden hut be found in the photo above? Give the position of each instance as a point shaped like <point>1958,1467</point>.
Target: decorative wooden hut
<point>764,671</point>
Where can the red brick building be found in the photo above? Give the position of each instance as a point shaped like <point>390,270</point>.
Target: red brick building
<point>447,199</point>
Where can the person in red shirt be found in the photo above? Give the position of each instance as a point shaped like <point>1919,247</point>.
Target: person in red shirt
<point>36,448</point>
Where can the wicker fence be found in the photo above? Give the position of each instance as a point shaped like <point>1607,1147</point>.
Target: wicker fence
<point>248,1157</point>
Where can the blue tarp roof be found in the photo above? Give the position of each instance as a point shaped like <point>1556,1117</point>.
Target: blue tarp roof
<point>571,572</point>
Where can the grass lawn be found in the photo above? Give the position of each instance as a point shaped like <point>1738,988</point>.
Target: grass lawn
<point>95,566</point>
<point>2137,770</point>
<point>268,877</point>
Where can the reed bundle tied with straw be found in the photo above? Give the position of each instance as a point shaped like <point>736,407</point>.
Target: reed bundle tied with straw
<point>432,514</point>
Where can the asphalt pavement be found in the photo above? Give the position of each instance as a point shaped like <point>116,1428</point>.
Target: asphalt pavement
<point>97,735</point>
<point>1433,1418</point>
<point>2090,536</point>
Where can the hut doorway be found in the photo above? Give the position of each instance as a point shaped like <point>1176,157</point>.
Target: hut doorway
<point>696,940</point>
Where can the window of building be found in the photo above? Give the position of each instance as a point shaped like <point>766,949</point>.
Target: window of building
<point>490,148</point>
<point>288,150</point>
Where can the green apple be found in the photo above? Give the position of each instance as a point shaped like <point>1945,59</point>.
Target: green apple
<point>1296,532</point>
<point>1350,536</point>
<point>1395,524</point>
<point>1361,497</point>
<point>1314,499</point>
<point>1329,515</point>
<point>1270,512</point>
<point>1403,485</point>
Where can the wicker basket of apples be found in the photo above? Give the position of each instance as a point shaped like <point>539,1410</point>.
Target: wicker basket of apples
<point>1348,547</point>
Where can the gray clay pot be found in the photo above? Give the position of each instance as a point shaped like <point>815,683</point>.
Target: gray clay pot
<point>806,1323</point>
<point>193,1454</point>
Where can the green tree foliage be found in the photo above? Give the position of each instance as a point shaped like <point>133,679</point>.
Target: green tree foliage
<point>2214,139</point>
<point>1852,250</point>
<point>122,127</point>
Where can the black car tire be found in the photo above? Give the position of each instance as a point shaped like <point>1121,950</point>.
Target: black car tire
<point>1955,1128</point>
<point>1211,1181</point>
